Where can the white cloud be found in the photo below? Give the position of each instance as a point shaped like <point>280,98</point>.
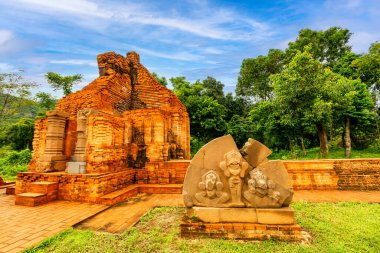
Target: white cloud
<point>6,68</point>
<point>5,37</point>
<point>182,56</point>
<point>75,62</point>
<point>211,50</point>
<point>361,41</point>
<point>220,23</point>
<point>76,7</point>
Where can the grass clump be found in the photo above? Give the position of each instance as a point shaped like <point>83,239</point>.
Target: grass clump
<point>335,227</point>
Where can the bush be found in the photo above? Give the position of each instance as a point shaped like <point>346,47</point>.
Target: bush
<point>13,162</point>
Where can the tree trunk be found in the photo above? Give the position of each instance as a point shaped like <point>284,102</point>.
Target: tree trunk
<point>323,144</point>
<point>303,147</point>
<point>347,137</point>
<point>292,149</point>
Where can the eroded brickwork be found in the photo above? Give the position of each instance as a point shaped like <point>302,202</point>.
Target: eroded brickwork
<point>358,174</point>
<point>134,120</point>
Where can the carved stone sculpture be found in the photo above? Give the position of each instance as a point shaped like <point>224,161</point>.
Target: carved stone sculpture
<point>246,176</point>
<point>234,168</point>
<point>211,190</point>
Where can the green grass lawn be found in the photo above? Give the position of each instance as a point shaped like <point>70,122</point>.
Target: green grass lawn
<point>341,227</point>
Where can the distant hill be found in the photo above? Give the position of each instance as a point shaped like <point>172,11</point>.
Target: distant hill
<point>18,108</point>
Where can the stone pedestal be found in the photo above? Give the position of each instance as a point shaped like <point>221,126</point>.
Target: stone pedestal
<point>268,216</point>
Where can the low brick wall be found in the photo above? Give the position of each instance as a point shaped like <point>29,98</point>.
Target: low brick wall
<point>358,174</point>
<point>353,174</point>
<point>341,174</point>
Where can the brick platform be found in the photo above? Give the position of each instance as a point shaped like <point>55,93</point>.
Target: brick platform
<point>110,188</point>
<point>246,231</point>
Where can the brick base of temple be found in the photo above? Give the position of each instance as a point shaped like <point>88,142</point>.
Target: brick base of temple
<point>108,188</point>
<point>330,174</point>
<point>243,231</point>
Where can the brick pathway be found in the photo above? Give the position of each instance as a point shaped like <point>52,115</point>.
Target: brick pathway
<point>22,227</point>
<point>124,215</point>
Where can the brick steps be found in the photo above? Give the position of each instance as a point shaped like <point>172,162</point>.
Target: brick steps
<point>30,199</point>
<point>119,195</point>
<point>38,193</point>
<point>132,190</point>
<point>10,190</point>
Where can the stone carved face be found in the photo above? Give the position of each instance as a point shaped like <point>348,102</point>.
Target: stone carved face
<point>210,181</point>
<point>233,164</point>
<point>211,184</point>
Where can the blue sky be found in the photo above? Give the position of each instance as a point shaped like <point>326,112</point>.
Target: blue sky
<point>194,38</point>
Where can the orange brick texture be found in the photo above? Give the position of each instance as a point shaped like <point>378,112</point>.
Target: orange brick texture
<point>245,231</point>
<point>130,110</point>
<point>335,174</point>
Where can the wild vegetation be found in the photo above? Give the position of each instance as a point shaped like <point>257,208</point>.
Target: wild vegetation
<point>317,92</point>
<point>334,227</point>
<point>18,110</point>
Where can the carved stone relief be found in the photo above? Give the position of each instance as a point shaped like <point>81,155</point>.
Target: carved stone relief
<point>219,176</point>
<point>234,169</point>
<point>211,190</point>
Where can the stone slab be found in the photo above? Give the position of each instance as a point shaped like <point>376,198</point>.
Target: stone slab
<point>284,215</point>
<point>76,167</point>
<point>269,216</point>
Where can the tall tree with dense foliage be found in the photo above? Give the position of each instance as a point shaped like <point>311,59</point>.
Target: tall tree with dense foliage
<point>213,88</point>
<point>253,80</point>
<point>207,115</point>
<point>327,46</point>
<point>301,95</point>
<point>368,67</point>
<point>352,104</point>
<point>65,83</point>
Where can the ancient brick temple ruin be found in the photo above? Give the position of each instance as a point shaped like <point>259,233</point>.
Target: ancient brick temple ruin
<point>122,129</point>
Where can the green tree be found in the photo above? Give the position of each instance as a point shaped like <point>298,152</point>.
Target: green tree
<point>162,80</point>
<point>235,105</point>
<point>352,103</point>
<point>368,67</point>
<point>65,83</point>
<point>20,135</point>
<point>206,117</point>
<point>45,100</point>
<point>254,74</point>
<point>327,46</point>
<point>14,93</point>
<point>240,128</point>
<point>301,95</point>
<point>344,66</point>
<point>213,88</point>
<point>183,89</point>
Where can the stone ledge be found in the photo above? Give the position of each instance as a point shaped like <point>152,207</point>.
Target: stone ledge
<point>269,216</point>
